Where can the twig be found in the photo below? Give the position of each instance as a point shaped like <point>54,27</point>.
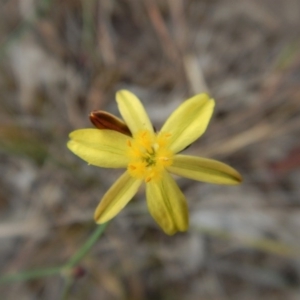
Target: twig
<point>161,30</point>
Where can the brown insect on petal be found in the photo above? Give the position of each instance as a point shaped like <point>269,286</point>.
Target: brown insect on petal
<point>104,120</point>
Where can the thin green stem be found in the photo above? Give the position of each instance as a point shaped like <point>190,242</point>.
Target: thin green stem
<point>27,275</point>
<point>85,248</point>
<point>73,261</point>
<point>67,287</point>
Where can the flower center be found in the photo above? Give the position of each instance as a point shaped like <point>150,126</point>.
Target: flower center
<point>149,155</point>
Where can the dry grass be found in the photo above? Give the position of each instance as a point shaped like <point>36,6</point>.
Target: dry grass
<point>61,59</point>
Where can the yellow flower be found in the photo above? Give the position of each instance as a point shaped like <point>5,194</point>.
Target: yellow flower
<point>150,157</point>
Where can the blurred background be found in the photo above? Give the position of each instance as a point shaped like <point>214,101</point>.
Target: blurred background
<point>59,60</point>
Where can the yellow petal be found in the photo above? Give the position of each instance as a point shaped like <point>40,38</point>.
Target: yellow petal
<point>203,169</point>
<point>116,198</point>
<point>189,121</point>
<point>133,112</point>
<point>167,204</point>
<point>102,148</point>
